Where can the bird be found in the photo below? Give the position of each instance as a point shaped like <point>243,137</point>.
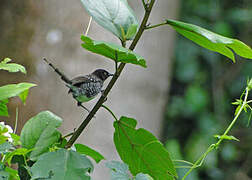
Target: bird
<point>84,88</point>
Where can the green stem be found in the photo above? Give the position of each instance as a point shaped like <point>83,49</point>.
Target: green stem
<point>157,25</point>
<point>215,146</point>
<point>16,121</point>
<point>111,112</point>
<point>99,103</point>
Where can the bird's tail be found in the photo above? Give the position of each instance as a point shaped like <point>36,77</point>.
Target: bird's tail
<point>63,77</point>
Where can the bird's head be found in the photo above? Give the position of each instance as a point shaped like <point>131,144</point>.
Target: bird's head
<point>102,74</point>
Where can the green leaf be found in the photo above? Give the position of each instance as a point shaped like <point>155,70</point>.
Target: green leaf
<point>16,139</point>
<point>12,90</point>
<point>142,151</point>
<point>131,31</point>
<point>141,176</point>
<point>110,50</point>
<point>23,96</point>
<point>4,108</point>
<point>11,67</point>
<point>119,170</point>
<point>39,133</point>
<point>226,137</point>
<point>13,173</point>
<point>116,16</point>
<point>62,165</point>
<point>212,41</point>
<point>20,151</point>
<point>83,149</point>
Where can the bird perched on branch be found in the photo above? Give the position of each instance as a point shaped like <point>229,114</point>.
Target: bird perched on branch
<point>84,88</point>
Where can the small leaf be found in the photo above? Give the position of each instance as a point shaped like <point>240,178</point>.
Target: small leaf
<point>142,151</point>
<point>237,102</point>
<point>16,139</point>
<point>131,31</point>
<point>83,149</point>
<point>62,165</point>
<point>109,50</point>
<point>237,109</point>
<point>114,15</point>
<point>4,108</point>
<point>39,133</point>
<point>23,96</point>
<point>12,90</point>
<point>212,41</point>
<point>119,170</point>
<point>226,137</point>
<point>11,67</point>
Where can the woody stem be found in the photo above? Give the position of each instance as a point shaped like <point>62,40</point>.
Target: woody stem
<point>99,103</point>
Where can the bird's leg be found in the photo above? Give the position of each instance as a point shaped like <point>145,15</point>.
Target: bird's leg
<point>80,104</point>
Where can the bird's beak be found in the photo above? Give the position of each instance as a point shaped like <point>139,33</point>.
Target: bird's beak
<point>111,74</point>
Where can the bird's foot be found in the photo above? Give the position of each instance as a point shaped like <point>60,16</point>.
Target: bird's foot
<point>80,104</point>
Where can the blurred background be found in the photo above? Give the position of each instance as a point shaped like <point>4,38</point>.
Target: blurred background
<point>204,84</point>
<point>183,97</point>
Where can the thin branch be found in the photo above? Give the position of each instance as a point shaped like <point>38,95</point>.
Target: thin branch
<point>216,145</point>
<point>89,24</point>
<point>16,121</point>
<point>113,80</point>
<point>70,134</point>
<point>156,25</point>
<point>144,4</point>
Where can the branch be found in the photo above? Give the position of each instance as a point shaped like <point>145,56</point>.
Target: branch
<point>113,80</point>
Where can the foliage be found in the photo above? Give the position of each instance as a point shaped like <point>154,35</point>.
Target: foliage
<point>115,16</point>
<point>43,153</point>
<point>112,51</point>
<point>218,81</point>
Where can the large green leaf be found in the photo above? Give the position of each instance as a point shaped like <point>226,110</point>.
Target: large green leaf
<point>114,15</point>
<point>12,90</point>
<point>212,41</point>
<point>112,51</point>
<point>39,133</point>
<point>4,108</point>
<point>83,149</point>
<point>11,67</point>
<point>62,165</point>
<point>142,151</point>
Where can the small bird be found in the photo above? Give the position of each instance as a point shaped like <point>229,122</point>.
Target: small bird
<point>84,88</point>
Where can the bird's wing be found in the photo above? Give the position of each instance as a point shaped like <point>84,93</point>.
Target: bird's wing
<point>82,79</point>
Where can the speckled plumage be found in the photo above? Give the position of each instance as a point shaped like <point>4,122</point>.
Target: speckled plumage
<point>85,88</point>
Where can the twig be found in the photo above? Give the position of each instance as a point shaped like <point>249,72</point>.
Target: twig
<point>216,145</point>
<point>89,25</point>
<point>113,80</point>
<point>16,121</point>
